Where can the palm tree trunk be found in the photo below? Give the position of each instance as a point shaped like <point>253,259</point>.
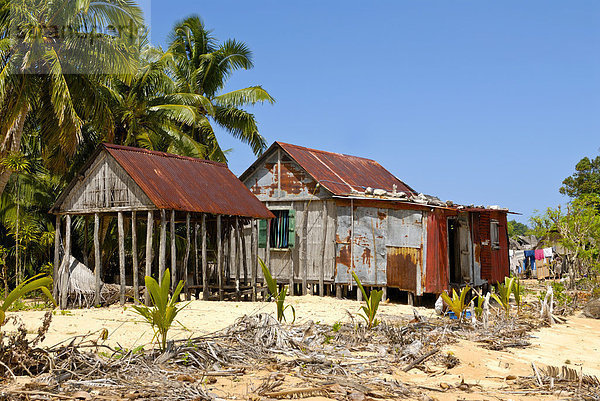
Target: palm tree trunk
<point>14,135</point>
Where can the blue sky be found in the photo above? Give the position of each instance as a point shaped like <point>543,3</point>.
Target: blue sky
<point>475,101</point>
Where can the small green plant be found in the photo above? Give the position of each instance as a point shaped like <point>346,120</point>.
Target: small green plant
<point>503,293</point>
<point>372,303</point>
<point>479,307</point>
<point>518,291</point>
<point>164,309</point>
<point>336,327</point>
<point>457,303</point>
<point>278,296</point>
<point>34,283</point>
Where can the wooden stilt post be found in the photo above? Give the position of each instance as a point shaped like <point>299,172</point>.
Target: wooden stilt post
<point>253,257</point>
<point>411,299</point>
<point>197,280</point>
<point>136,272</point>
<point>338,291</point>
<point>56,256</point>
<point>323,251</point>
<point>230,252</point>
<point>66,276</point>
<point>384,296</point>
<point>97,261</point>
<point>205,289</point>
<point>86,258</point>
<point>149,228</point>
<point>219,257</point>
<point>186,258</point>
<point>244,255</point>
<point>237,258</point>
<point>359,296</point>
<point>174,278</point>
<point>268,247</point>
<point>304,250</point>
<point>121,231</point>
<point>162,247</point>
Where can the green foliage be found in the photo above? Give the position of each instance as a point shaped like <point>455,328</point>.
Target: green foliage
<point>32,284</point>
<point>372,303</point>
<point>479,307</point>
<point>336,327</point>
<point>278,296</point>
<point>516,229</point>
<point>561,296</point>
<point>164,309</point>
<point>457,303</point>
<point>585,180</point>
<point>503,291</point>
<point>518,292</point>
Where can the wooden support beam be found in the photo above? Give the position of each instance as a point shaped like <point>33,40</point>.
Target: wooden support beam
<point>304,249</point>
<point>253,257</point>
<point>238,246</point>
<point>244,254</point>
<point>86,258</point>
<point>56,256</point>
<point>97,261</point>
<point>149,228</point>
<point>186,258</point>
<point>219,257</point>
<point>323,251</point>
<point>134,255</point>
<point>411,299</point>
<point>384,296</point>
<point>66,276</point>
<point>268,248</point>
<point>359,296</point>
<point>197,279</point>
<point>338,291</point>
<point>162,247</point>
<point>205,289</point>
<point>121,231</point>
<point>174,278</point>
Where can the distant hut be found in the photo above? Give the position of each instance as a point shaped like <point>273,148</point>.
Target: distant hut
<point>135,184</point>
<point>335,214</point>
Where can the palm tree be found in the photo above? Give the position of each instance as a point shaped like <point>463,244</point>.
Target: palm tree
<point>53,55</point>
<point>150,113</point>
<point>202,66</point>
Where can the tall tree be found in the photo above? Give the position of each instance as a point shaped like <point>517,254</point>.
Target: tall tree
<point>585,180</point>
<point>53,54</point>
<point>202,66</point>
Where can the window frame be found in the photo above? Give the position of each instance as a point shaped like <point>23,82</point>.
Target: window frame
<point>495,232</point>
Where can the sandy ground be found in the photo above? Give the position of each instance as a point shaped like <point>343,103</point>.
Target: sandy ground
<point>576,343</point>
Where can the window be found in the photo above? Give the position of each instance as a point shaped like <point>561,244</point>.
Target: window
<point>495,234</point>
<point>283,230</point>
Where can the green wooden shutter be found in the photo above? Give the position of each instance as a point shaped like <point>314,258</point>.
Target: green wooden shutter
<point>292,228</point>
<point>262,233</point>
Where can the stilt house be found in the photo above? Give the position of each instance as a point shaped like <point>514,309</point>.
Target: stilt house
<point>335,214</point>
<point>148,188</point>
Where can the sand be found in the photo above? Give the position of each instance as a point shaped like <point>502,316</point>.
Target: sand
<point>576,343</point>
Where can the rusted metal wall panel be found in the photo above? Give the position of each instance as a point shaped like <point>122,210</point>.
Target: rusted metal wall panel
<point>363,248</point>
<point>403,264</point>
<point>437,274</point>
<point>485,253</point>
<point>405,228</point>
<point>500,259</point>
<point>295,183</point>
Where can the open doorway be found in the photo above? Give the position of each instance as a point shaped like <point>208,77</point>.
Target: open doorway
<point>454,250</point>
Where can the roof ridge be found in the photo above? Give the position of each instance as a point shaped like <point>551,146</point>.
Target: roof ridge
<point>161,154</point>
<point>327,152</point>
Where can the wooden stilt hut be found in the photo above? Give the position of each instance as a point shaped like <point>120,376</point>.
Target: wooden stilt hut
<point>169,190</point>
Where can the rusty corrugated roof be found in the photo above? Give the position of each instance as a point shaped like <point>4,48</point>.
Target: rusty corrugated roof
<point>188,184</point>
<point>341,173</point>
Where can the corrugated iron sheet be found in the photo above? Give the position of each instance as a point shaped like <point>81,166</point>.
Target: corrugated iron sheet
<point>402,266</point>
<point>188,184</point>
<point>340,174</point>
<point>436,275</point>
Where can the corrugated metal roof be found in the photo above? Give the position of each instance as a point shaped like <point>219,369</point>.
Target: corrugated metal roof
<point>188,184</point>
<point>341,173</point>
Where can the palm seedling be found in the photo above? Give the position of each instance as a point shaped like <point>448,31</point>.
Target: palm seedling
<point>457,303</point>
<point>503,293</point>
<point>517,292</point>
<point>34,283</point>
<point>278,296</point>
<point>164,309</point>
<point>372,303</point>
